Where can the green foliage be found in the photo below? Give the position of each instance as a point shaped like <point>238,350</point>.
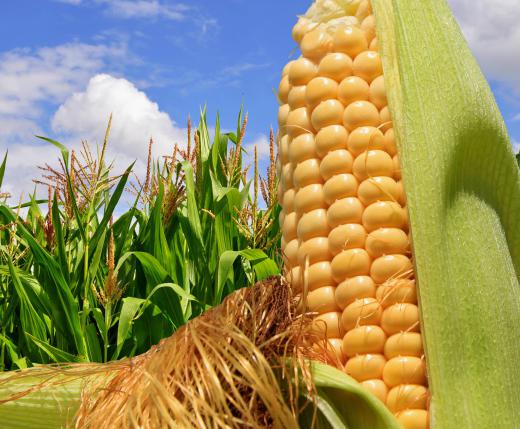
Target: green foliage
<point>89,282</point>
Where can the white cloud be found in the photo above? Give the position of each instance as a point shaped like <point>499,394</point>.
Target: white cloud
<point>262,146</point>
<point>492,31</point>
<point>146,9</point>
<point>74,2</point>
<point>174,11</point>
<point>27,81</point>
<point>516,146</point>
<point>84,116</point>
<point>136,118</point>
<point>28,78</point>
<point>31,83</point>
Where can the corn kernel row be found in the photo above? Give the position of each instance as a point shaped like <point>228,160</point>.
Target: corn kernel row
<point>344,219</point>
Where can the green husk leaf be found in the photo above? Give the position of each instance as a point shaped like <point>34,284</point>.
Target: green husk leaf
<point>463,189</point>
<point>342,403</point>
<point>51,407</point>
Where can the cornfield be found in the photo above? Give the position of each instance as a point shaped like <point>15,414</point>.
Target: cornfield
<point>84,279</point>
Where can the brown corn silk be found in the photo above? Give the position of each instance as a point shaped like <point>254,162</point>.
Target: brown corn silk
<point>241,364</point>
<point>345,230</point>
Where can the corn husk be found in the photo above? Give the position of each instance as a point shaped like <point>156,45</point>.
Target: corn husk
<point>463,191</point>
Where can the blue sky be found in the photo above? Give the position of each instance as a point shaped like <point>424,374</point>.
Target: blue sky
<point>65,65</point>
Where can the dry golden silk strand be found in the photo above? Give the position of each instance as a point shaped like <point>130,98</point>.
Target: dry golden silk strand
<point>344,214</point>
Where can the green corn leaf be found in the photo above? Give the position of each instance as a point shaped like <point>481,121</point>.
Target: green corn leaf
<point>2,169</point>
<point>14,353</point>
<point>166,300</point>
<point>260,262</point>
<point>342,403</point>
<point>98,316</point>
<point>263,266</point>
<point>34,290</point>
<point>93,344</point>
<point>56,355</point>
<point>129,310</point>
<point>463,189</point>
<point>114,199</point>
<point>60,240</point>
<point>64,305</point>
<point>193,210</point>
<point>31,321</point>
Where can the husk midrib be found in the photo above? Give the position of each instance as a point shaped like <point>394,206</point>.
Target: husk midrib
<point>465,239</point>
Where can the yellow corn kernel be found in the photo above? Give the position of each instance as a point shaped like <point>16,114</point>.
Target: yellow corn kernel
<point>320,89</point>
<point>407,396</point>
<point>348,236</point>
<point>322,300</point>
<point>331,138</point>
<point>365,367</point>
<point>364,340</point>
<point>346,210</point>
<point>328,324</point>
<point>363,139</point>
<point>397,291</point>
<point>401,317</point>
<point>352,89</point>
<point>319,275</point>
<point>336,162</point>
<point>359,114</point>
<point>404,370</point>
<point>404,344</point>
<point>301,72</point>
<point>329,112</point>
<point>413,419</point>
<point>335,66</point>
<point>358,287</point>
<point>350,40</point>
<point>340,186</point>
<point>309,198</point>
<point>301,148</point>
<point>366,311</point>
<point>377,387</point>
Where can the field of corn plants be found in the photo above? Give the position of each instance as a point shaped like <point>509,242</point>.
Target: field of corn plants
<point>85,279</point>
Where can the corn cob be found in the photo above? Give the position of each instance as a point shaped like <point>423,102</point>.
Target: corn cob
<point>344,219</point>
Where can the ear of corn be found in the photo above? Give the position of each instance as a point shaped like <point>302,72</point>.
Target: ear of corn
<point>345,215</point>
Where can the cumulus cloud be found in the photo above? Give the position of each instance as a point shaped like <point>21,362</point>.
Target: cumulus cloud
<point>136,118</point>
<point>262,145</point>
<point>493,34</point>
<point>84,115</point>
<point>31,83</point>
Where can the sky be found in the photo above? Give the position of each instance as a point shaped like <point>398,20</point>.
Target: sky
<point>65,65</point>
